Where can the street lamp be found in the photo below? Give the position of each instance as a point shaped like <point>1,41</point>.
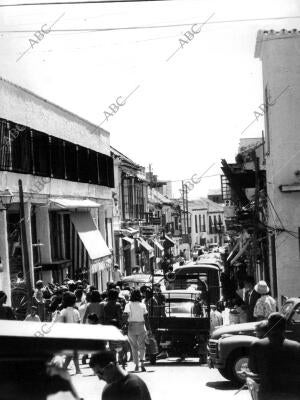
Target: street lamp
<point>6,197</point>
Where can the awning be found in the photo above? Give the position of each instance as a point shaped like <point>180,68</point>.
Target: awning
<point>132,230</point>
<point>101,265</point>
<point>145,245</point>
<point>90,236</point>
<point>235,249</point>
<point>241,252</point>
<point>71,203</point>
<point>158,245</point>
<point>127,239</point>
<point>169,240</point>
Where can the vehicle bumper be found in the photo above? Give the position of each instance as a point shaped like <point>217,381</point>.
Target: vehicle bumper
<point>213,358</point>
<point>213,362</point>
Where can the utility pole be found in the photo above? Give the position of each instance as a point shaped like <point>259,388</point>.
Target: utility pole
<point>256,210</point>
<point>25,253</point>
<point>187,213</point>
<point>183,206</point>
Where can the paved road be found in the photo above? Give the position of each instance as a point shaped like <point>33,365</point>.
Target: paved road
<point>168,380</point>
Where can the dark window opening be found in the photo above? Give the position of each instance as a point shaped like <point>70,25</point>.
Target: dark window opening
<point>71,161</point>
<point>31,152</point>
<point>57,158</point>
<point>41,153</point>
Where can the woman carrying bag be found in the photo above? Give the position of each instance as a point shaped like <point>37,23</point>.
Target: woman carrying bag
<point>136,315</point>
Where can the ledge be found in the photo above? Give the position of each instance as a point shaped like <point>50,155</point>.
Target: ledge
<point>295,187</point>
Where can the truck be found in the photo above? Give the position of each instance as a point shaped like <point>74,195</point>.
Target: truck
<point>183,327</point>
<point>228,346</point>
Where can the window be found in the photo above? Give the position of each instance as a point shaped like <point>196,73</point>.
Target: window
<point>210,225</point>
<point>28,151</point>
<point>93,166</point>
<point>196,226</point>
<point>83,164</point>
<point>57,158</point>
<point>71,161</point>
<point>204,225</point>
<point>41,153</point>
<point>215,224</point>
<point>21,159</point>
<point>60,236</point>
<point>55,235</point>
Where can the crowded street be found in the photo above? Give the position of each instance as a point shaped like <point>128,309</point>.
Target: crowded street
<point>149,199</point>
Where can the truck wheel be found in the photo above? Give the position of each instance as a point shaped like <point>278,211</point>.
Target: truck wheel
<point>224,372</point>
<point>152,359</point>
<point>237,362</point>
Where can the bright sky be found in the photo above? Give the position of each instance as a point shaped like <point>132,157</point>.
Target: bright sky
<point>186,113</point>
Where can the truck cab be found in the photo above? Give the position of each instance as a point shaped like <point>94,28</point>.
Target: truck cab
<point>228,348</point>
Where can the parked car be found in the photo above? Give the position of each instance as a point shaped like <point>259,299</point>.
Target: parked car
<point>228,349</point>
<point>27,348</point>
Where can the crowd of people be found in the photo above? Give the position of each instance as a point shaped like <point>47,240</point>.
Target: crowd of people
<point>79,302</point>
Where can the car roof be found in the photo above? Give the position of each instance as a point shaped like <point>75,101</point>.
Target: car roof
<point>28,338</point>
<point>141,278</point>
<point>181,294</point>
<point>196,268</point>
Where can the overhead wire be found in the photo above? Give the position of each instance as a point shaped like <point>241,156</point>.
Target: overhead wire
<point>85,2</point>
<point>137,27</point>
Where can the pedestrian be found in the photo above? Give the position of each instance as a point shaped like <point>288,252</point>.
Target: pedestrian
<point>20,278</point>
<point>161,300</point>
<point>93,306</point>
<point>116,274</point>
<point>151,303</point>
<point>92,319</point>
<point>250,297</point>
<point>276,361</point>
<point>71,286</point>
<point>32,316</point>
<point>265,305</point>
<point>6,312</point>
<point>138,324</point>
<point>111,313</point>
<point>81,303</point>
<point>70,315</point>
<point>216,318</point>
<point>120,385</point>
<point>38,300</point>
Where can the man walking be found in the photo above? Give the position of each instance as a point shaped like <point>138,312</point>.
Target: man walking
<point>120,385</point>
<point>251,297</point>
<point>116,274</point>
<point>265,305</point>
<point>276,360</point>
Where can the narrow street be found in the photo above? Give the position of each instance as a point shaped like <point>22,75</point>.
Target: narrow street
<point>167,380</point>
<point>149,199</point>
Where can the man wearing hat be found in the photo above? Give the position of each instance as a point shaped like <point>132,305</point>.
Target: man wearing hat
<point>265,305</point>
<point>276,361</point>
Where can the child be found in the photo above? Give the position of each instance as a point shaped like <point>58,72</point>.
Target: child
<point>33,315</point>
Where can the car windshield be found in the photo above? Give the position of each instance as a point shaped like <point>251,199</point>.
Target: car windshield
<point>286,309</point>
<point>184,308</point>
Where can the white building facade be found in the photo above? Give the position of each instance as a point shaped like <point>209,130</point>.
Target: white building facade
<point>207,222</point>
<point>67,176</point>
<point>279,53</point>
